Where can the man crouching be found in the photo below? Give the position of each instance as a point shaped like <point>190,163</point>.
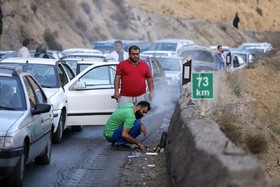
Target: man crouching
<point>124,125</point>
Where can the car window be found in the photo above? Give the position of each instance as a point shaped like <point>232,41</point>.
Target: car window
<point>102,75</point>
<point>198,55</point>
<point>62,76</point>
<point>171,64</point>
<point>11,94</point>
<point>34,91</point>
<point>69,71</point>
<point>82,67</point>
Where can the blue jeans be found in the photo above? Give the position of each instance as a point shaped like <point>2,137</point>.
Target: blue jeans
<point>117,135</point>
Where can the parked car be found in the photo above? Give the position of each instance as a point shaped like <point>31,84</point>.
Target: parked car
<point>235,62</point>
<point>158,53</point>
<point>202,57</point>
<point>51,53</point>
<point>52,75</point>
<point>169,45</point>
<point>26,118</point>
<point>66,52</point>
<point>107,46</point>
<point>173,68</point>
<point>256,49</point>
<point>7,54</point>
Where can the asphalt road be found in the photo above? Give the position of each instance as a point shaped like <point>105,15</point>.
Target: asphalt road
<point>85,158</point>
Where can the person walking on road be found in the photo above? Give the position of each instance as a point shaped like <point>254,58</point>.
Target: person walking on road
<point>220,59</point>
<point>124,125</point>
<point>119,54</point>
<point>24,50</point>
<point>130,79</point>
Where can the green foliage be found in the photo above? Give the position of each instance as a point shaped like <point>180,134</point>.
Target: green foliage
<point>256,143</point>
<point>235,84</point>
<point>259,11</point>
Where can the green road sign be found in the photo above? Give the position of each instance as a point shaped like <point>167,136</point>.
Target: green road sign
<point>202,86</point>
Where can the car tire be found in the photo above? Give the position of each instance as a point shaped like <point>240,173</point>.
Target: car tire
<point>45,158</point>
<point>57,136</point>
<point>77,128</point>
<point>16,178</point>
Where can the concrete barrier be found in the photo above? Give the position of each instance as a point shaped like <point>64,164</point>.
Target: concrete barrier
<point>199,154</point>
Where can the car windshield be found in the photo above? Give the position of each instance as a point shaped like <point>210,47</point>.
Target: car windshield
<point>43,73</point>
<point>198,55</point>
<point>163,46</point>
<point>11,94</point>
<point>170,64</point>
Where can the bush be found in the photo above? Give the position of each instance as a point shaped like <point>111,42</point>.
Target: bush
<point>256,143</point>
<point>259,11</point>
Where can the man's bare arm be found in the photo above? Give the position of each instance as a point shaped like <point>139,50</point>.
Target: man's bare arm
<point>117,86</point>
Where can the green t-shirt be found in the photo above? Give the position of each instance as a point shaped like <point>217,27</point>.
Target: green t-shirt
<point>123,116</point>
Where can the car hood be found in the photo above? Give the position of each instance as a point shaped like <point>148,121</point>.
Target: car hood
<point>170,74</point>
<point>50,91</point>
<point>7,119</point>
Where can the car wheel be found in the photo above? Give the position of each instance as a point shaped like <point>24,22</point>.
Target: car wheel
<point>77,128</point>
<point>57,136</point>
<point>15,179</point>
<point>45,158</point>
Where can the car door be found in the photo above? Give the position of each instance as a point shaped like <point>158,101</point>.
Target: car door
<point>90,95</point>
<point>40,124</point>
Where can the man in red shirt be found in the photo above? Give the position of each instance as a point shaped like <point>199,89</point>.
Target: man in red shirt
<point>131,77</point>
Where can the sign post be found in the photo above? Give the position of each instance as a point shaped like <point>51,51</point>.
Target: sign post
<point>202,88</point>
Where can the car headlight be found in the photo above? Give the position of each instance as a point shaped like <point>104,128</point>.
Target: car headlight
<point>6,142</point>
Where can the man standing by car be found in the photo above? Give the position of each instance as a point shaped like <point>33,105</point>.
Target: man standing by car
<point>24,51</point>
<point>130,79</point>
<point>124,126</point>
<point>220,59</point>
<point>119,54</point>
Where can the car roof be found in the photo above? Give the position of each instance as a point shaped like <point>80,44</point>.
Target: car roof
<point>96,62</point>
<point>196,47</point>
<point>31,60</point>
<point>173,40</point>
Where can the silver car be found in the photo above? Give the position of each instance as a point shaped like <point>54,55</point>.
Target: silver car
<point>26,123</point>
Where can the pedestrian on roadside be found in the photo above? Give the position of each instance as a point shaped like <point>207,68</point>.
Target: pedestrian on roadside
<point>220,59</point>
<point>236,21</point>
<point>41,51</point>
<point>124,126</point>
<point>130,79</point>
<point>119,54</point>
<point>24,50</point>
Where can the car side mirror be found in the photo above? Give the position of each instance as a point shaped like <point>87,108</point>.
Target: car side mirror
<point>41,108</point>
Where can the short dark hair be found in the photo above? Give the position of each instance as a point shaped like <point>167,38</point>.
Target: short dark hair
<point>144,104</point>
<point>133,47</point>
<point>26,42</point>
<point>219,46</point>
<point>118,42</point>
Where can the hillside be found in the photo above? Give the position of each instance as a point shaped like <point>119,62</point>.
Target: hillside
<point>68,23</point>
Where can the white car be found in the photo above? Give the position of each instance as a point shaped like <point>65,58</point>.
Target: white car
<point>26,123</point>
<point>52,75</point>
<point>158,53</point>
<point>90,95</point>
<point>69,51</point>
<point>169,44</point>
